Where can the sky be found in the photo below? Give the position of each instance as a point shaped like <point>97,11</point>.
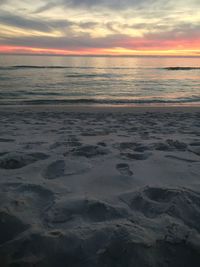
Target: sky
<point>100,27</point>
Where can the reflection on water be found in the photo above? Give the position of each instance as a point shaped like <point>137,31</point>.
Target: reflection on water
<point>103,80</point>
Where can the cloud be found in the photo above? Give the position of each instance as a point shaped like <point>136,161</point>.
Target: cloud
<point>105,4</point>
<point>99,24</point>
<point>185,34</point>
<point>184,31</point>
<point>39,24</point>
<point>21,22</point>
<point>66,42</point>
<point>3,2</point>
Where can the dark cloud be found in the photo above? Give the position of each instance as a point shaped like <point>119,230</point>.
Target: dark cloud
<point>47,6</point>
<point>114,4</point>
<point>21,22</point>
<point>106,4</point>
<point>88,25</point>
<point>40,24</point>
<point>3,2</point>
<point>66,42</point>
<point>184,31</point>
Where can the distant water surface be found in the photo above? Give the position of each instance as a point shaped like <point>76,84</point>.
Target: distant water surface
<point>99,80</point>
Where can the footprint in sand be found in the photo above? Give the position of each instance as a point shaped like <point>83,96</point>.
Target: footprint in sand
<point>61,168</point>
<point>6,140</point>
<point>181,158</point>
<point>32,196</point>
<point>195,143</point>
<point>11,161</point>
<point>141,148</point>
<point>170,145</point>
<point>85,210</point>
<point>137,156</point>
<point>124,169</point>
<point>125,145</point>
<point>55,170</point>
<point>179,203</point>
<point>195,150</point>
<point>177,145</point>
<point>90,151</point>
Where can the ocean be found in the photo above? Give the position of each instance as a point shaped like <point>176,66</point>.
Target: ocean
<point>34,80</point>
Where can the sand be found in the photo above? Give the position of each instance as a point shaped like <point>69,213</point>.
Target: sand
<point>99,187</point>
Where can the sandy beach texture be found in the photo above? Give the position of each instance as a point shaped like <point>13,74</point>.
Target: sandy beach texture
<point>99,187</point>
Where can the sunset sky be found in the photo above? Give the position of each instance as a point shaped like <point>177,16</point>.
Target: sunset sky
<point>111,27</point>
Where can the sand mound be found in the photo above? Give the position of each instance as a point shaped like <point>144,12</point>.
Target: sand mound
<point>35,196</point>
<point>19,160</point>
<point>29,200</point>
<point>10,227</point>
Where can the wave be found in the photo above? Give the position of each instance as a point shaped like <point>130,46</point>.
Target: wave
<point>34,67</point>
<point>182,68</point>
<point>59,67</point>
<point>100,101</point>
<point>90,67</point>
<point>92,75</point>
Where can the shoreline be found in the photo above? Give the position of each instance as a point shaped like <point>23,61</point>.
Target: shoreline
<point>99,108</point>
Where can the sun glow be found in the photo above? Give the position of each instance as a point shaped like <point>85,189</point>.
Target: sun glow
<point>117,51</point>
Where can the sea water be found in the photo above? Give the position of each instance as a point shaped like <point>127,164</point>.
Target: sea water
<point>99,80</point>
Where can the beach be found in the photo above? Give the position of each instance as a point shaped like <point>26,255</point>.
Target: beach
<point>99,186</point>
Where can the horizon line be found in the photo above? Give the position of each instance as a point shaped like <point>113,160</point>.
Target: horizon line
<point>94,55</point>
